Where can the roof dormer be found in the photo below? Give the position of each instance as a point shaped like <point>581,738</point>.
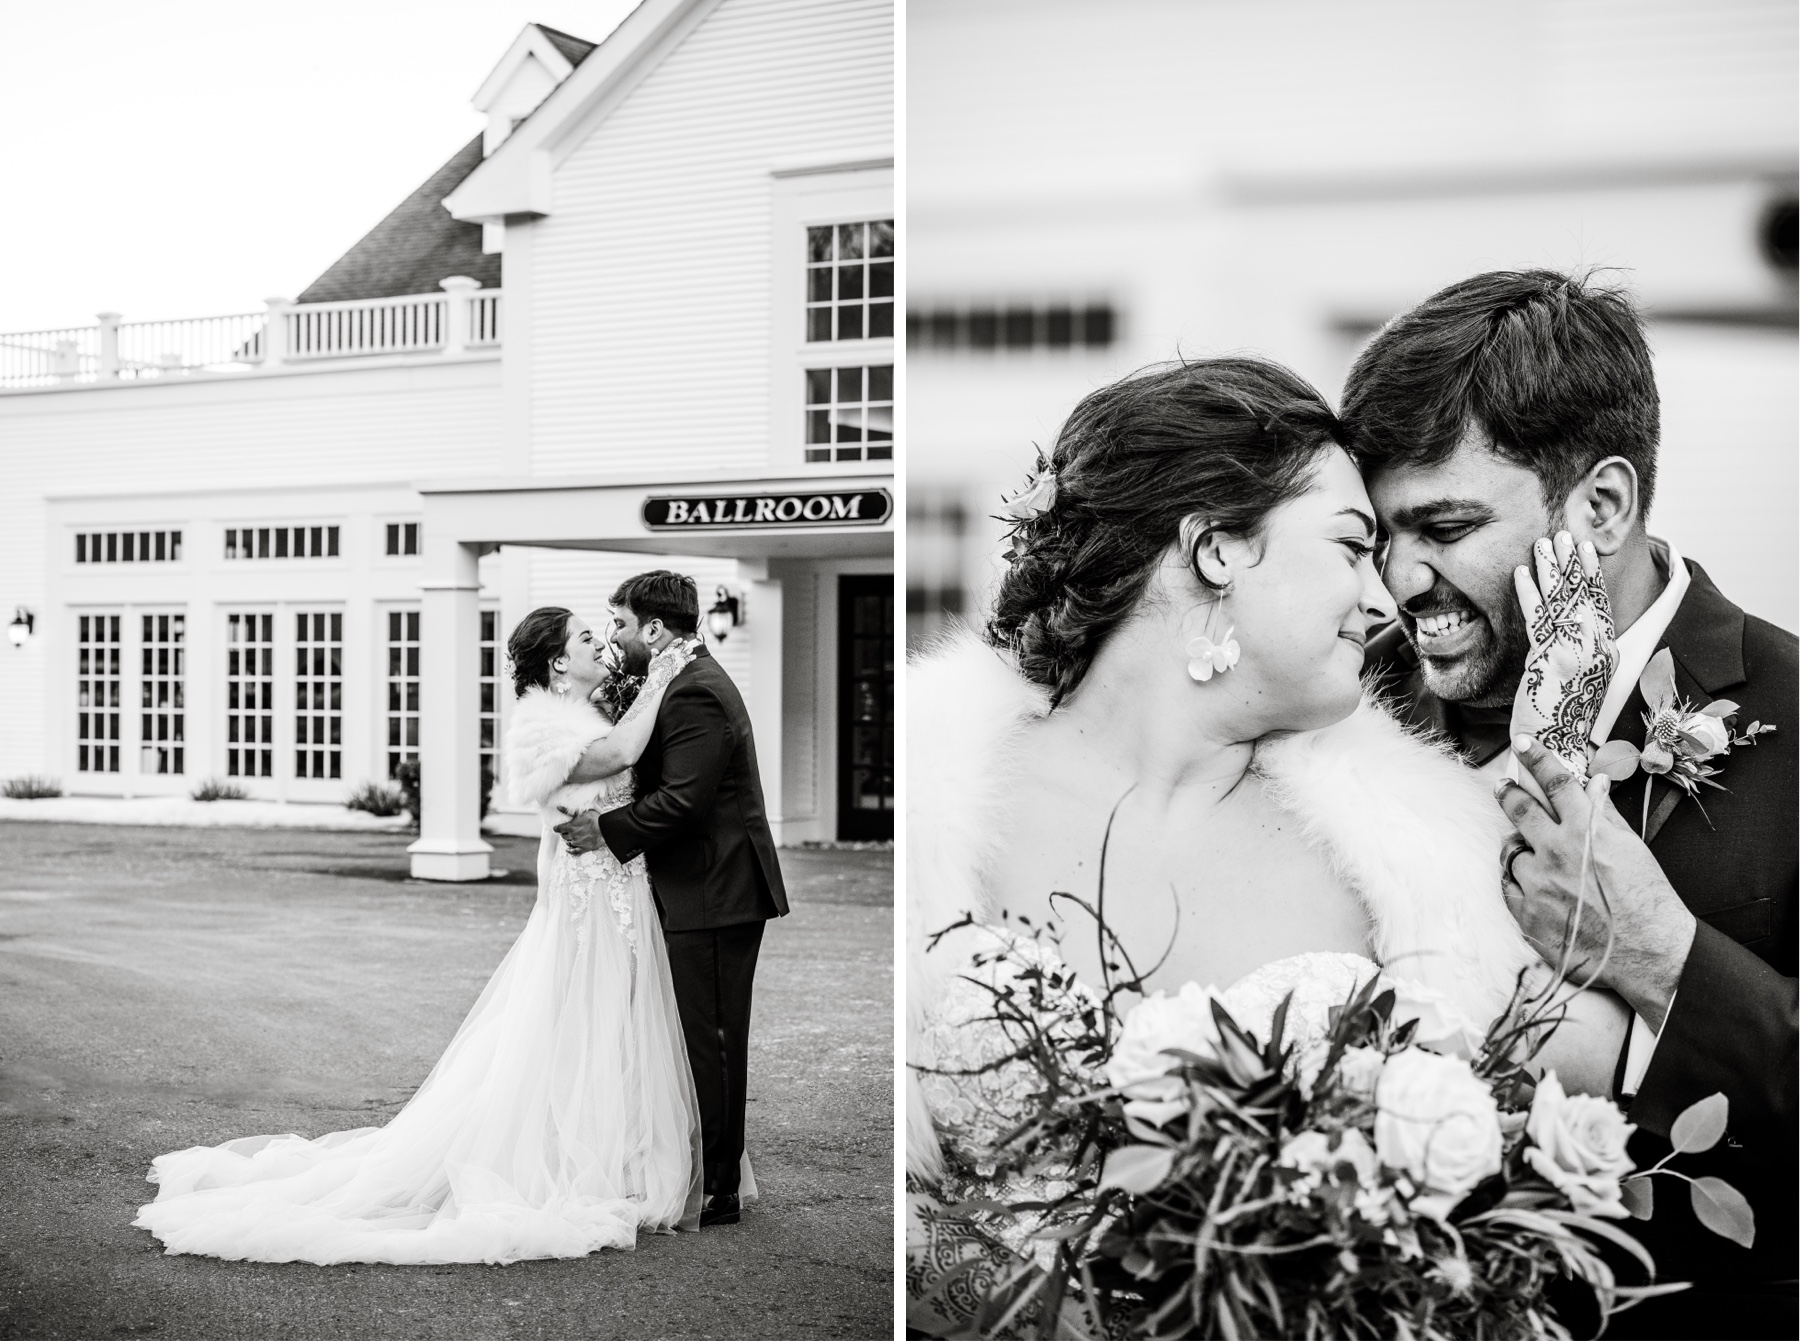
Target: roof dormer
<point>539,59</point>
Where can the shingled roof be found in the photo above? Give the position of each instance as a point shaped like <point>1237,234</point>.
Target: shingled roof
<point>415,246</point>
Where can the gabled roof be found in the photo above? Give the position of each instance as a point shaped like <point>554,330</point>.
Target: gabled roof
<point>417,245</point>
<point>574,49</point>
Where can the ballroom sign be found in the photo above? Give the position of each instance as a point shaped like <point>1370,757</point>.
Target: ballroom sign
<point>734,512</point>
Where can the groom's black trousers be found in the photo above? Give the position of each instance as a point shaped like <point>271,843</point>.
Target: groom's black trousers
<point>712,972</point>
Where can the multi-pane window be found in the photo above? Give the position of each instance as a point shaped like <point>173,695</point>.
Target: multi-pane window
<point>490,655</point>
<point>97,694</point>
<point>1094,326</point>
<point>281,542</point>
<point>128,547</point>
<point>850,413</point>
<point>165,711</point>
<point>250,695</point>
<point>319,694</point>
<point>850,281</point>
<point>937,560</point>
<point>403,688</point>
<point>403,537</point>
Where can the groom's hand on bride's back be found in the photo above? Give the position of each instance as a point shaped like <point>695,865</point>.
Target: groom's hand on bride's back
<point>580,832</point>
<point>1626,899</point>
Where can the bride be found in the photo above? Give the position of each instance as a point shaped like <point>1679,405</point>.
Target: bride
<point>561,1119</point>
<point>1176,651</point>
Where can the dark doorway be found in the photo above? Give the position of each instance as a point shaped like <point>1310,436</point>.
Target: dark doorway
<point>866,708</point>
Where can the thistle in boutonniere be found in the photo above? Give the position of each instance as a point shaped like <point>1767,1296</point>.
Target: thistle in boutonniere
<point>1679,740</point>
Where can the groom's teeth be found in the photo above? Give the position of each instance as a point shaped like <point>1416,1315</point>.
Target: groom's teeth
<point>1436,626</point>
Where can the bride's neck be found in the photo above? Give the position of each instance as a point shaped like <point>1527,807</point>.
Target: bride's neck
<point>1137,709</point>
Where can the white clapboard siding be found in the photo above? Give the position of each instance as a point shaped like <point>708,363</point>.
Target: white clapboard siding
<point>651,289</point>
<point>326,428</point>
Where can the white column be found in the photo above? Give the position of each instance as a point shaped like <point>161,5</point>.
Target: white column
<point>450,845</point>
<point>763,625</point>
<point>458,289</point>
<point>275,333</point>
<point>109,345</point>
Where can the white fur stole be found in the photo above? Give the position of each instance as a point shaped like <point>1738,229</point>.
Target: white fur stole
<point>545,738</point>
<point>1407,826</point>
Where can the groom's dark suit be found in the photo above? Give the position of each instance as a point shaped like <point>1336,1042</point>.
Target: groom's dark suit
<point>1732,1027</point>
<point>700,822</point>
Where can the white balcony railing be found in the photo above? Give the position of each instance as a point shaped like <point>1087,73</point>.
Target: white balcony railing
<point>462,318</point>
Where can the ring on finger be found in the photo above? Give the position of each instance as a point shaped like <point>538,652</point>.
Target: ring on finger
<point>1510,851</point>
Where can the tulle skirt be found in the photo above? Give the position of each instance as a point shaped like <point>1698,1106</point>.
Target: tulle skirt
<point>560,1120</point>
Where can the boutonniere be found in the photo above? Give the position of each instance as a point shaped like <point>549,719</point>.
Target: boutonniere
<point>1679,740</point>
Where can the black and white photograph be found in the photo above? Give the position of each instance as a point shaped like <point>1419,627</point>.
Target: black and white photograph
<point>447,720</point>
<point>1351,709</point>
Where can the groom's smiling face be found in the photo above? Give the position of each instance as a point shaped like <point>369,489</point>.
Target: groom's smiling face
<point>1456,531</point>
<point>637,642</point>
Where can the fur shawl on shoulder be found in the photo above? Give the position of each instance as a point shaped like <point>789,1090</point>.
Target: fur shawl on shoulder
<point>1402,821</point>
<point>545,737</point>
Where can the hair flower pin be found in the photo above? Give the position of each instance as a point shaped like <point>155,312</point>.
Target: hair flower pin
<point>1037,497</point>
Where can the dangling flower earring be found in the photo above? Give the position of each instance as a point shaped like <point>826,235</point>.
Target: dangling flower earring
<point>1207,658</point>
<point>559,686</point>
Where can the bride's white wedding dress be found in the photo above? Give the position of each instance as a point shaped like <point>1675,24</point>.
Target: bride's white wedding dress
<point>560,1120</point>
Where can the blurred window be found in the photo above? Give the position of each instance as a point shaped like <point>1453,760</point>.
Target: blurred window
<point>489,726</point>
<point>937,544</point>
<point>128,547</point>
<point>164,694</point>
<point>250,695</point>
<point>850,281</point>
<point>319,694</point>
<point>402,538</point>
<point>97,694</point>
<point>403,689</point>
<point>281,542</point>
<point>1012,327</point>
<point>850,413</point>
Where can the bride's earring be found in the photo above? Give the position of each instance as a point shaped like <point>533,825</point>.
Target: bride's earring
<point>559,685</point>
<point>1207,658</point>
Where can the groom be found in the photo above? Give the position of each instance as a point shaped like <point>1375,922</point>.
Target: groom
<point>1507,407</point>
<point>699,820</point>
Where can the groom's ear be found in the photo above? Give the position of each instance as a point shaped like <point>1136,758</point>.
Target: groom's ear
<point>1605,506</point>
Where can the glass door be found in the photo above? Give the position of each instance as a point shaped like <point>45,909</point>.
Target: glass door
<point>866,707</point>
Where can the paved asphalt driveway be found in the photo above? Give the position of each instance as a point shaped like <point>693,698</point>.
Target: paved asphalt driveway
<point>161,988</point>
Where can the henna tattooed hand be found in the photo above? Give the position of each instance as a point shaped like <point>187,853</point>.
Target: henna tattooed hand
<point>1572,656</point>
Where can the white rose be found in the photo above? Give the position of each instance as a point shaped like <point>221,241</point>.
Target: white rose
<point>1359,1069</point>
<point>1439,1124</point>
<point>1709,731</point>
<point>1578,1144</point>
<point>1137,1065</point>
<point>1442,1026</point>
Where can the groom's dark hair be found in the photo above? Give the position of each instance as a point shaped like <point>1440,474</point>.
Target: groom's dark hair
<point>661,594</point>
<point>1551,369</point>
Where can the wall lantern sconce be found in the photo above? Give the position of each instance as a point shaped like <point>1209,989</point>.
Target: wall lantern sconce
<point>23,622</point>
<point>725,615</point>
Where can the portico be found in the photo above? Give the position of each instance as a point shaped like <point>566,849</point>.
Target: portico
<point>795,683</point>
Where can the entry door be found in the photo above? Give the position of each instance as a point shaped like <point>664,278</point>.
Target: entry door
<point>866,708</point>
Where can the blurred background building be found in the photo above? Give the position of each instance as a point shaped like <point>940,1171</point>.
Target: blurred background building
<point>646,319</point>
<point>1093,187</point>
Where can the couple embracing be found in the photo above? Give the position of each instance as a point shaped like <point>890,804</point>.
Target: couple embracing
<point>597,1087</point>
<point>1323,693</point>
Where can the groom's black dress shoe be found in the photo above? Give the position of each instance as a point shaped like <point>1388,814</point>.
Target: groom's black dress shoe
<point>720,1211</point>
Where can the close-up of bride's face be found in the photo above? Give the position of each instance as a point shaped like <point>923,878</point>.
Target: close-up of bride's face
<point>1304,609</point>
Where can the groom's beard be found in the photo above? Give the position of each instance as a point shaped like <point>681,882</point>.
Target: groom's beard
<point>636,658</point>
<point>1488,660</point>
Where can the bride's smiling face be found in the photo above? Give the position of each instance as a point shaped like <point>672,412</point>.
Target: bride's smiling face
<point>1304,598</point>
<point>585,667</point>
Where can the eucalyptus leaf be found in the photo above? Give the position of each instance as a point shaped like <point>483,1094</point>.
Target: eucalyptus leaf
<point>1700,1125</point>
<point>1618,759</point>
<point>1137,1169</point>
<point>1657,683</point>
<point>1723,707</point>
<point>1639,1197</point>
<point>1722,1208</point>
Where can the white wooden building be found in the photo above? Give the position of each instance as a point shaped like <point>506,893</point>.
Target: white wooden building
<point>646,320</point>
<point>1094,188</point>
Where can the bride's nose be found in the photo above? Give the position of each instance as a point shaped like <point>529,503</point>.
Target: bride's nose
<point>1377,603</point>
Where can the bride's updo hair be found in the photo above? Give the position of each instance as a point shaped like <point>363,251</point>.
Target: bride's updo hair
<point>541,637</point>
<point>1228,439</point>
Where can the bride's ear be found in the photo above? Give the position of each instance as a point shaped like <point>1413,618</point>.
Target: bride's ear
<point>1208,551</point>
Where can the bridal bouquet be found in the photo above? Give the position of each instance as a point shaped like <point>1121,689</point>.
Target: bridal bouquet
<point>1369,1168</point>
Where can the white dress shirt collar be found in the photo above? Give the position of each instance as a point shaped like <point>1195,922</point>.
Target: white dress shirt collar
<point>1637,644</point>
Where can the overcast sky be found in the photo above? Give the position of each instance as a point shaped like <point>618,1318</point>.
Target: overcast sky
<point>194,157</point>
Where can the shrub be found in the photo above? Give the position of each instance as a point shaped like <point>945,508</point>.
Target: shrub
<point>217,789</point>
<point>31,787</point>
<point>407,775</point>
<point>377,798</point>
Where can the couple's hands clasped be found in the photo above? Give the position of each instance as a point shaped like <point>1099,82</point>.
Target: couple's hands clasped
<point>581,832</point>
